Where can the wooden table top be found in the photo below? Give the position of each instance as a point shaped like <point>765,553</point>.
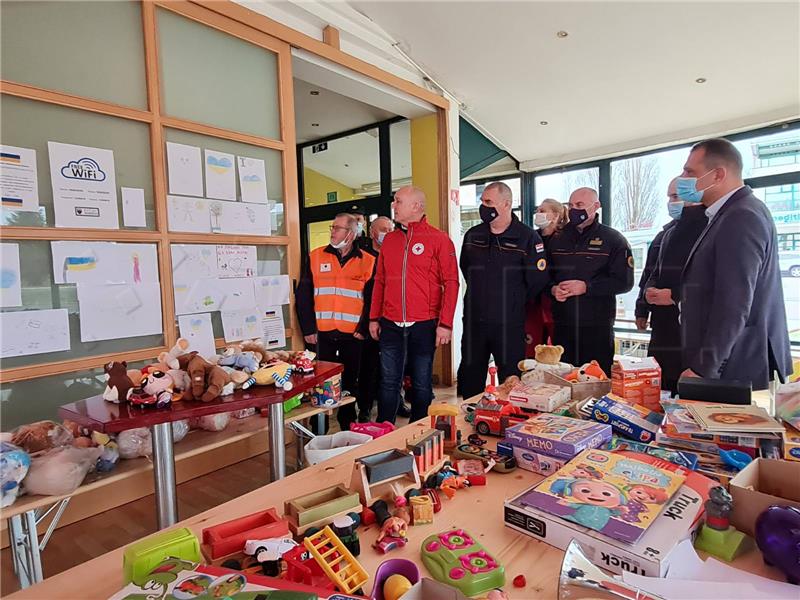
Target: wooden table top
<point>478,510</point>
<point>107,417</point>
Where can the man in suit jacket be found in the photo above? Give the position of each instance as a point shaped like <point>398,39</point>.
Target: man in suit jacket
<point>733,317</point>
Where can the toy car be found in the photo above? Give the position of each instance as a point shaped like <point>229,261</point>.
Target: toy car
<point>493,418</point>
<point>303,364</point>
<point>139,397</point>
<point>274,548</point>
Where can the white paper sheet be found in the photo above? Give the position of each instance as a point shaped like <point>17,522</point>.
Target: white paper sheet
<point>199,333</point>
<point>273,329</point>
<point>10,276</point>
<point>272,290</point>
<point>236,261</point>
<point>193,261</point>
<point>104,262</point>
<point>239,217</point>
<point>241,324</point>
<point>84,186</point>
<point>202,295</point>
<point>679,589</point>
<point>238,294</point>
<point>188,214</point>
<point>220,175</point>
<point>133,207</point>
<point>19,183</point>
<point>115,311</point>
<point>270,267</point>
<point>252,179</point>
<point>184,166</point>
<point>27,332</point>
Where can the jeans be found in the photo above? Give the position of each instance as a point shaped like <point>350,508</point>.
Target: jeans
<point>415,346</point>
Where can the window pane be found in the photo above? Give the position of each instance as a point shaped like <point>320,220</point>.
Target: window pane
<point>215,78</point>
<point>770,154</point>
<point>343,169</point>
<point>76,47</point>
<point>40,292</point>
<point>400,139</point>
<point>786,215</point>
<point>560,185</point>
<point>271,158</point>
<point>31,124</point>
<point>469,199</point>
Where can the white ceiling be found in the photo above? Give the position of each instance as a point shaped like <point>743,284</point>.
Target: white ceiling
<point>623,78</point>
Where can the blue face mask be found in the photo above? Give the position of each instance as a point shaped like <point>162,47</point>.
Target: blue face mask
<point>360,229</point>
<point>381,235</point>
<point>686,188</point>
<point>675,209</point>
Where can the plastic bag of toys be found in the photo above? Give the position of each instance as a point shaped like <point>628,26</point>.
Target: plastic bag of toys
<point>61,470</point>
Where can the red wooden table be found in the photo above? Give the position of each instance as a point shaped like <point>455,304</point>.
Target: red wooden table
<point>99,415</point>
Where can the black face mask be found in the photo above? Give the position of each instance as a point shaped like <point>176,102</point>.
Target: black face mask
<point>487,213</point>
<point>577,215</point>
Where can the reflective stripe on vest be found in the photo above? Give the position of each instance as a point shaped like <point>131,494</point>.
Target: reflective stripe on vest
<point>338,316</point>
<point>337,291</point>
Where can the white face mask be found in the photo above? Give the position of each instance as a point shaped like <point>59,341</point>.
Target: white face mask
<point>340,245</point>
<point>542,220</point>
<point>381,235</point>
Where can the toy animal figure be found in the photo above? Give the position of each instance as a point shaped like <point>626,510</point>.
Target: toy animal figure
<point>718,508</point>
<point>160,385</point>
<point>207,380</point>
<point>277,373</point>
<point>14,465</point>
<point>246,361</point>
<point>451,484</point>
<point>591,371</point>
<point>548,355</point>
<point>118,383</point>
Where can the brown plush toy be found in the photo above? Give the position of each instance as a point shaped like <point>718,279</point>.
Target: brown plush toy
<point>118,382</point>
<point>207,380</point>
<point>548,355</point>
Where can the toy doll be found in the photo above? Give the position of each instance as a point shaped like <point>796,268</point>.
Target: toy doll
<point>595,502</point>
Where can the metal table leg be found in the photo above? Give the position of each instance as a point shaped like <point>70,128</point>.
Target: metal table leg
<point>164,475</point>
<point>26,549</point>
<point>277,450</point>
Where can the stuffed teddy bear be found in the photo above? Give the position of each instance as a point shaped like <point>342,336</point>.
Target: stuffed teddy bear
<point>207,380</point>
<point>533,370</point>
<point>548,355</point>
<point>118,382</point>
<point>591,371</point>
<point>277,373</point>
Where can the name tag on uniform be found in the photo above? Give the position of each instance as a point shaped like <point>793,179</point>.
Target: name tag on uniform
<point>325,268</point>
<point>596,242</point>
<point>540,247</point>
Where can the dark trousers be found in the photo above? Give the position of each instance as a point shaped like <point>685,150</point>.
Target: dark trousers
<point>506,342</point>
<point>343,348</point>
<point>415,346</point>
<point>665,345</point>
<point>369,376</point>
<point>586,342</point>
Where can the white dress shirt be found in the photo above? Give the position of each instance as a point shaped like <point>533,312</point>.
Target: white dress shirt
<point>712,210</point>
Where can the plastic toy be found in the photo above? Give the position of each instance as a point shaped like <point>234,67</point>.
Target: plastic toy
<point>735,458</point>
<point>520,581</point>
<point>401,510</point>
<point>346,529</point>
<point>303,362</point>
<point>138,397</point>
<point>393,529</point>
<point>476,440</point>
<point>395,586</point>
<point>385,474</point>
<point>278,373</point>
<point>443,417</point>
<point>141,557</point>
<point>421,510</point>
<point>272,546</point>
<point>718,536</point>
<point>390,570</point>
<point>328,393</point>
<point>451,484</point>
<point>502,463</point>
<point>435,500</point>
<point>455,558</point>
<point>375,430</point>
<point>230,536</point>
<point>491,417</point>
<point>778,538</point>
<point>160,385</point>
<point>320,508</point>
<point>336,561</point>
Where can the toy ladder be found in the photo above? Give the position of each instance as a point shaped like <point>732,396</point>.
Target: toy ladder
<point>335,559</point>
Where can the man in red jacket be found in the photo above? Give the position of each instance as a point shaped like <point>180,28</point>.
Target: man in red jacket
<point>413,301</point>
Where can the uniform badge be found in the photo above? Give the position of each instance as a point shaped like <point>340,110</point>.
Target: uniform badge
<point>539,247</point>
<point>596,242</point>
<point>541,264</point>
<point>418,248</point>
<point>325,268</point>
<point>630,261</point>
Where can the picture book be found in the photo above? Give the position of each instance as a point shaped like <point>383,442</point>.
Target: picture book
<point>557,436</point>
<point>680,422</point>
<point>722,418</point>
<point>616,495</point>
<point>679,457</point>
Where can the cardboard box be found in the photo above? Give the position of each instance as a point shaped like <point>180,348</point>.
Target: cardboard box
<point>561,437</point>
<point>791,443</point>
<point>761,484</point>
<point>638,380</point>
<point>632,421</point>
<point>536,395</point>
<point>580,390</point>
<point>537,463</point>
<point>649,555</point>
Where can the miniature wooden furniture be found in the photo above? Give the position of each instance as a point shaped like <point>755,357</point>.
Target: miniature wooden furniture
<point>384,475</point>
<point>444,417</point>
<point>230,536</point>
<point>320,508</point>
<point>428,451</point>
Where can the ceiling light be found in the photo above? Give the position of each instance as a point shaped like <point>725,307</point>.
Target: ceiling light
<point>562,34</point>
<point>315,124</point>
<point>346,165</point>
<point>544,123</point>
<point>314,92</point>
<point>700,80</point>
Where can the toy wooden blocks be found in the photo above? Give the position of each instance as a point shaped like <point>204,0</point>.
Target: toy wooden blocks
<point>421,510</point>
<point>229,537</point>
<point>428,451</point>
<point>320,508</point>
<point>386,475</point>
<point>443,417</point>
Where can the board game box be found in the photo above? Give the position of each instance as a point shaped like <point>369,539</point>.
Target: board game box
<point>638,380</point>
<point>608,492</point>
<point>630,420</point>
<point>536,462</point>
<point>557,436</point>
<point>650,555</point>
<point>536,395</point>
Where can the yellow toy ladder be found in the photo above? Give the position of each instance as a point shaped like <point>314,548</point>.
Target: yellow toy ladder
<point>336,561</point>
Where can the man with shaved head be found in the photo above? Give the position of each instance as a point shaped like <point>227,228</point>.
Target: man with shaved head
<point>415,294</point>
<point>590,264</point>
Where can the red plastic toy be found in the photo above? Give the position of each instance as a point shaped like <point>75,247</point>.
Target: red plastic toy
<point>229,537</point>
<point>375,430</point>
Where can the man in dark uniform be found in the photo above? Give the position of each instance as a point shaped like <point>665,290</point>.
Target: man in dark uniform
<point>504,264</point>
<point>661,290</point>
<point>590,263</point>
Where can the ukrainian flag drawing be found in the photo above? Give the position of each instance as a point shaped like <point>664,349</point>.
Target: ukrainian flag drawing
<point>11,158</point>
<point>78,263</point>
